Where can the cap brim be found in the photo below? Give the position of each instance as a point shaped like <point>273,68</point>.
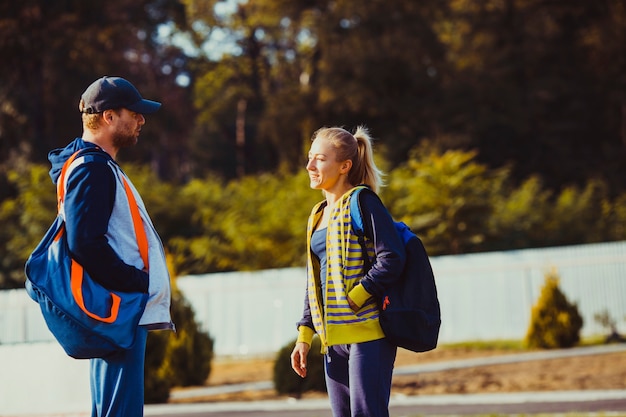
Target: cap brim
<point>144,106</point>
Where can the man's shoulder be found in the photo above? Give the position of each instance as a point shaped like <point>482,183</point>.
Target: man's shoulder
<point>94,154</point>
<point>91,164</point>
<point>93,159</point>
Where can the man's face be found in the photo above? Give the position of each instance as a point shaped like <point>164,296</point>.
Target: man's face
<point>127,127</point>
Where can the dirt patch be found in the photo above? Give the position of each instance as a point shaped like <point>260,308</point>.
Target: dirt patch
<point>592,372</point>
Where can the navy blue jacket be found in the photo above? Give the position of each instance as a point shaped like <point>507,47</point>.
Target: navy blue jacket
<point>90,196</point>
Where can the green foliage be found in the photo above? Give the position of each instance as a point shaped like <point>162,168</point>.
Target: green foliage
<point>252,223</point>
<point>521,215</point>
<point>265,74</point>
<point>200,245</point>
<point>286,381</point>
<point>531,216</point>
<point>266,220</point>
<point>455,203</point>
<point>157,378</point>
<point>516,105</point>
<point>24,217</point>
<point>190,352</point>
<point>493,76</point>
<point>574,215</point>
<point>555,322</point>
<point>49,61</point>
<point>168,208</point>
<point>446,197</point>
<point>613,215</point>
<point>525,82</point>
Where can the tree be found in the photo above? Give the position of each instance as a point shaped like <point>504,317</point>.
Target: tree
<point>531,216</point>
<point>520,216</point>
<point>445,197</point>
<point>53,50</point>
<point>250,100</point>
<point>380,63</point>
<point>534,83</point>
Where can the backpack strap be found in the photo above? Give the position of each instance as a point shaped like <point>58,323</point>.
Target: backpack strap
<point>355,212</point>
<point>356,217</point>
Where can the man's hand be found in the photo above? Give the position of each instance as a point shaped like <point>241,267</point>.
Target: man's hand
<point>298,358</point>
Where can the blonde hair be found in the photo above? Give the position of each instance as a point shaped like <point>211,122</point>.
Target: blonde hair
<point>356,147</point>
<point>92,121</point>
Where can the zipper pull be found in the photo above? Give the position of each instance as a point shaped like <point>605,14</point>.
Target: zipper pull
<point>386,302</point>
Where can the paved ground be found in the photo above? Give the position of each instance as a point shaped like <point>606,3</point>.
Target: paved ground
<point>600,402</point>
<point>190,394</point>
<point>605,401</point>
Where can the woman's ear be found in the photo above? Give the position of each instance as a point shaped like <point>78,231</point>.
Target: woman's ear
<point>345,166</point>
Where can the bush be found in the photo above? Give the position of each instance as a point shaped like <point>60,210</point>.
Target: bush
<point>286,381</point>
<point>177,359</point>
<point>555,322</point>
<point>605,320</point>
<point>157,382</point>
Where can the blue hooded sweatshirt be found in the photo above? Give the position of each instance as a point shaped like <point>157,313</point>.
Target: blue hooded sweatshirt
<point>100,231</point>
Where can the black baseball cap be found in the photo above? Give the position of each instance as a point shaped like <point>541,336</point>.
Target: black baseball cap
<point>109,93</point>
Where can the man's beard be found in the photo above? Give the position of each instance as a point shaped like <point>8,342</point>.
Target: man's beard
<point>124,139</point>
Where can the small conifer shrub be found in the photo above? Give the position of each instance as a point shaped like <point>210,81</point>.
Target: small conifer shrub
<point>555,322</point>
<point>286,381</point>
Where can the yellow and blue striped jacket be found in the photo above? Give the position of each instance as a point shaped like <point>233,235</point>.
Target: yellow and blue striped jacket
<point>334,321</point>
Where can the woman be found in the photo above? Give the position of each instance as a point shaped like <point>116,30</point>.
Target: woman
<point>341,297</point>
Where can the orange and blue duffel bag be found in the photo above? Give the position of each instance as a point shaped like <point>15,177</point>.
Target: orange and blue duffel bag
<point>87,319</point>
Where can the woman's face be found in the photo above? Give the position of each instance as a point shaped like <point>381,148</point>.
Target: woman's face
<point>324,169</point>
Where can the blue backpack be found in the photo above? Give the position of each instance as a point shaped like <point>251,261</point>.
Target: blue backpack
<point>410,315</point>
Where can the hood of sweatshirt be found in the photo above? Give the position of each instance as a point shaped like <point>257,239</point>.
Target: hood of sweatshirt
<point>57,157</point>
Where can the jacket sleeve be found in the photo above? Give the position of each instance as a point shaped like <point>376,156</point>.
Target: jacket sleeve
<point>89,199</point>
<point>389,249</point>
<point>305,325</point>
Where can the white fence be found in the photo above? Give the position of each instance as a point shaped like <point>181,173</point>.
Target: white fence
<point>484,296</point>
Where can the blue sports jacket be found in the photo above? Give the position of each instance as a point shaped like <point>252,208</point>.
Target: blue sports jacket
<point>100,230</point>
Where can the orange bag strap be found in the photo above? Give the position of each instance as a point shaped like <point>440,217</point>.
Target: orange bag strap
<point>61,180</point>
<point>76,283</point>
<point>140,232</point>
<point>77,272</point>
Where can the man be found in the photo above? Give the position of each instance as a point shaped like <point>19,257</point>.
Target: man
<point>101,236</point>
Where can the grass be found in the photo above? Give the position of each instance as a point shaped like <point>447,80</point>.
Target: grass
<point>513,345</point>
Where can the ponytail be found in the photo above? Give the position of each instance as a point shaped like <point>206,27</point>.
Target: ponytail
<point>364,169</point>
